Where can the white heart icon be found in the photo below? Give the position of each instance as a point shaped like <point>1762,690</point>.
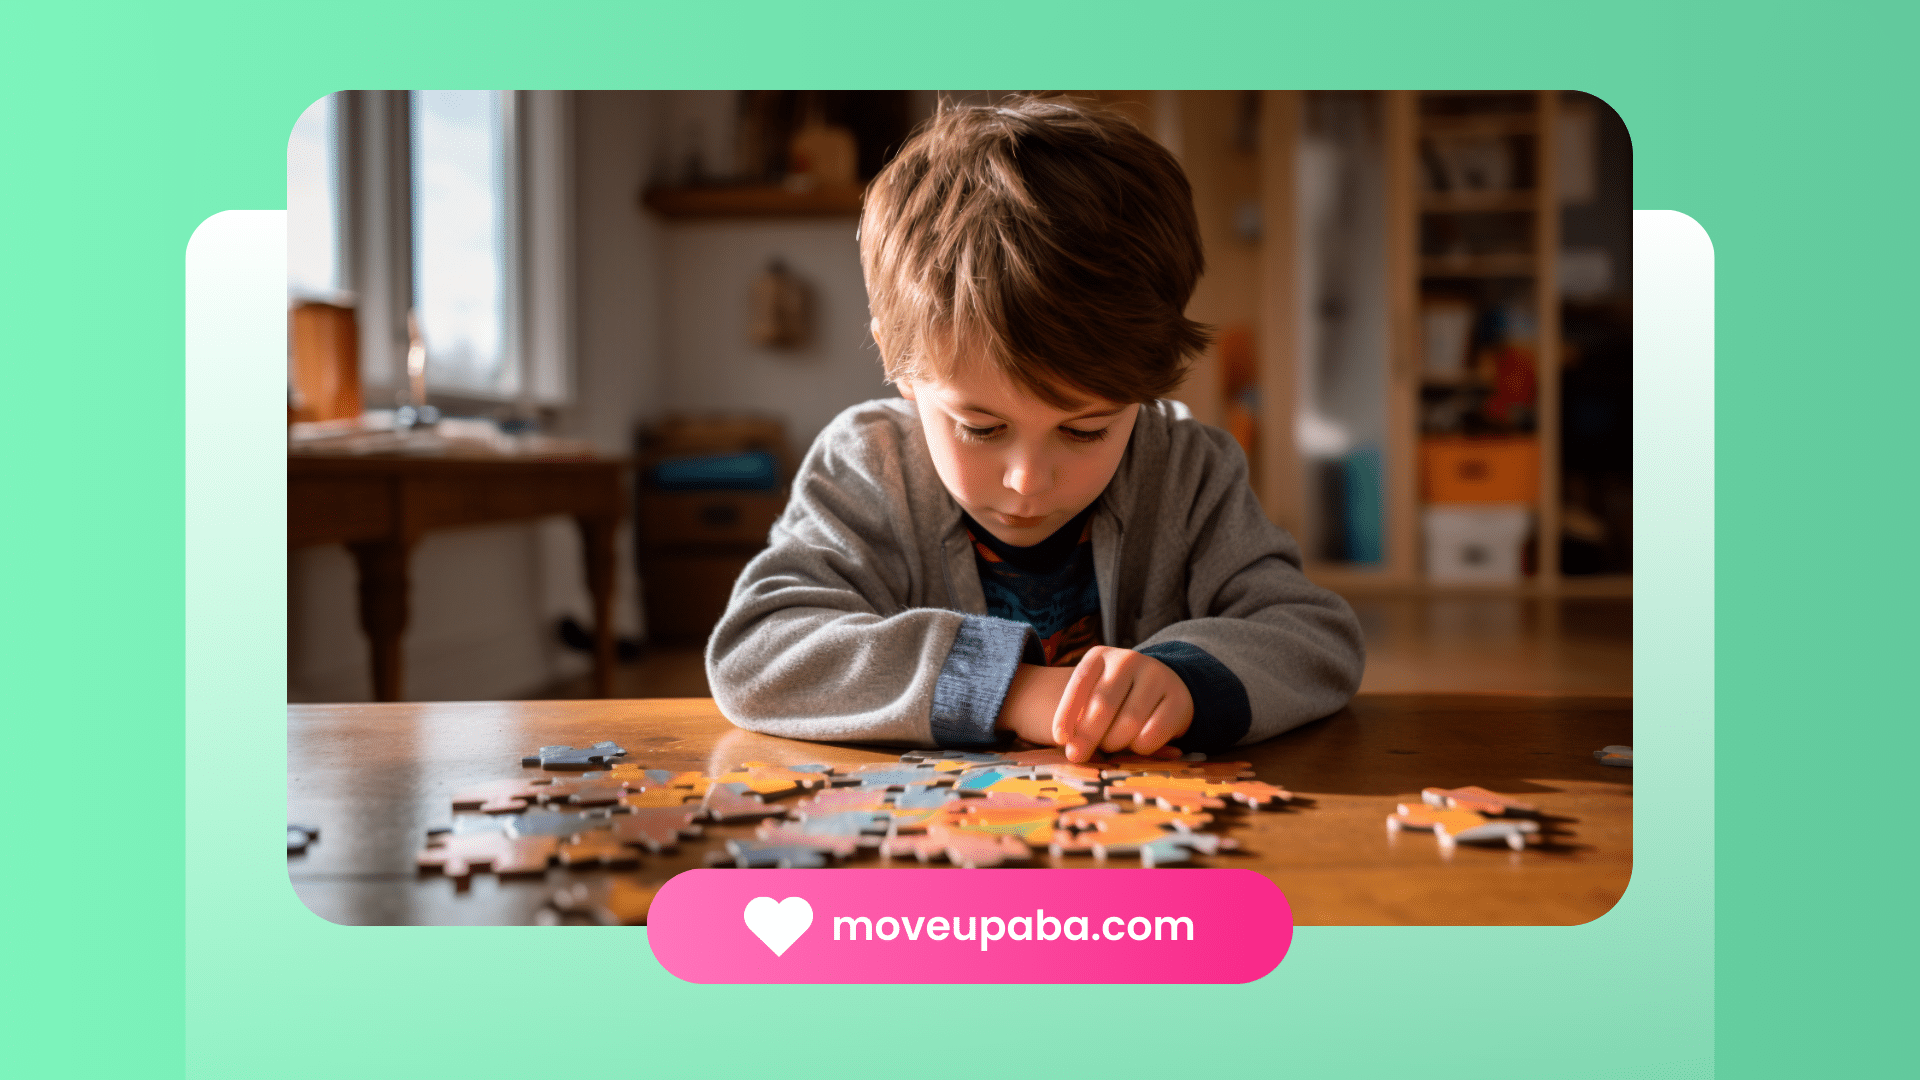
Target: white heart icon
<point>780,924</point>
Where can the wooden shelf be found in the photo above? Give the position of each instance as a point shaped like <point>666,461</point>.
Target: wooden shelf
<point>1351,580</point>
<point>764,201</point>
<point>1478,202</point>
<point>1516,264</point>
<point>1519,123</point>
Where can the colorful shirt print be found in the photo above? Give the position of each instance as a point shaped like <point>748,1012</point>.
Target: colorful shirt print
<point>1050,586</point>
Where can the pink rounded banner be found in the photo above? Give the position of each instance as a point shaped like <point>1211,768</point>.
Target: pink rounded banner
<point>966,926</point>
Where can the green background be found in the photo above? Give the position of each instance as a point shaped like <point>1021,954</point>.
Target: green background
<point>154,932</point>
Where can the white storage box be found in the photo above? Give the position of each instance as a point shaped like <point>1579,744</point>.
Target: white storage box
<point>1476,543</point>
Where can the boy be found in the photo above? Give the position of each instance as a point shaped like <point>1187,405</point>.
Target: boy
<point>1029,541</point>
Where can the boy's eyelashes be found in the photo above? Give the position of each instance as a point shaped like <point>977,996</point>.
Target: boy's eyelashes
<point>982,434</point>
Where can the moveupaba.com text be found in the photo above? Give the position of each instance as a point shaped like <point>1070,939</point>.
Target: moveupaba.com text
<point>1036,927</point>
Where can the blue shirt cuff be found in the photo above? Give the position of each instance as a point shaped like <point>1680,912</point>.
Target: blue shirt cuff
<point>1221,711</point>
<point>973,683</point>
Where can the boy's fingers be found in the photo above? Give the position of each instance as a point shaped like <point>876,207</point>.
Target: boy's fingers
<point>1107,697</point>
<point>1163,725</point>
<point>1130,723</point>
<point>1066,718</point>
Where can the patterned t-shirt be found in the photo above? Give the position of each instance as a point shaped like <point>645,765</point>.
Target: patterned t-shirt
<point>1050,586</point>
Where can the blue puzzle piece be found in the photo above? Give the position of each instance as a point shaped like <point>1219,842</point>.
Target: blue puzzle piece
<point>968,756</point>
<point>924,797</point>
<point>566,757</point>
<point>845,823</point>
<point>531,823</point>
<point>902,777</point>
<point>979,781</point>
<point>755,855</point>
<point>1180,847</point>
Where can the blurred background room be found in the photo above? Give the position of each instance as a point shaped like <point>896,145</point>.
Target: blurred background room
<point>554,355</point>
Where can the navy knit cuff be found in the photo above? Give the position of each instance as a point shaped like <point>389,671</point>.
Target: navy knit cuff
<point>973,683</point>
<point>1221,712</point>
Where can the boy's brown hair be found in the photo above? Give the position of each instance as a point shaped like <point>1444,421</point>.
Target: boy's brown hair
<point>1051,236</point>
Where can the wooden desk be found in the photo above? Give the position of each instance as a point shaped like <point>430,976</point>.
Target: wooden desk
<point>375,777</point>
<point>379,505</point>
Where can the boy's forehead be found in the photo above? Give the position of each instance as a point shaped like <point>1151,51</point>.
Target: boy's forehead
<point>983,387</point>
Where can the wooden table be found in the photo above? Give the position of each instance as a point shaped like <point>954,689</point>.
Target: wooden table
<point>380,504</point>
<point>374,778</point>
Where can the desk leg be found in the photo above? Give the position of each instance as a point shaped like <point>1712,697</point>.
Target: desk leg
<point>383,610</point>
<point>596,539</point>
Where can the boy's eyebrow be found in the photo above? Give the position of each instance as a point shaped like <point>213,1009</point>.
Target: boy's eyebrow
<point>1096,413</point>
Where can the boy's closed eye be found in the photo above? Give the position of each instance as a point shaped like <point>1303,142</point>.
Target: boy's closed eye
<point>983,434</point>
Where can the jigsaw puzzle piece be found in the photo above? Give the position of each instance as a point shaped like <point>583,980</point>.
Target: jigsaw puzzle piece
<point>1167,798</point>
<point>551,823</point>
<point>840,800</point>
<point>640,778</point>
<point>960,848</point>
<point>656,828</point>
<point>1512,832</point>
<point>844,823</point>
<point>804,776</point>
<point>1451,826</point>
<point>501,796</point>
<point>1121,834</point>
<point>1215,770</point>
<point>659,797</point>
<point>1477,799</point>
<point>458,856</point>
<point>598,847</point>
<point>1174,848</point>
<point>1061,792</point>
<point>1102,815</point>
<point>773,834</point>
<point>965,757</point>
<point>619,902</point>
<point>759,855</point>
<point>1031,823</point>
<point>592,789</point>
<point>1251,792</point>
<point>885,776</point>
<point>598,755</point>
<point>724,803</point>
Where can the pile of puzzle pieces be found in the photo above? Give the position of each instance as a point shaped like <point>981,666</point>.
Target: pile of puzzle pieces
<point>967,809</point>
<point>1471,814</point>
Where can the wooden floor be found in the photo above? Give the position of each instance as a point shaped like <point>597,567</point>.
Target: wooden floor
<point>1426,644</point>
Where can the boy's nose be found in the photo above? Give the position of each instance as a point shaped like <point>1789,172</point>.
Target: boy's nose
<point>1028,476</point>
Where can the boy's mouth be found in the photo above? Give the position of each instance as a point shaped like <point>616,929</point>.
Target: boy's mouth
<point>1013,522</point>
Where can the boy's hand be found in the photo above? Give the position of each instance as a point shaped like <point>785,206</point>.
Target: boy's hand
<point>1119,699</point>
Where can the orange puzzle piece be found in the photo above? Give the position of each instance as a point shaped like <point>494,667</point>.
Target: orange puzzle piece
<point>1477,799</point>
<point>598,846</point>
<point>501,796</point>
<point>458,856</point>
<point>960,848</point>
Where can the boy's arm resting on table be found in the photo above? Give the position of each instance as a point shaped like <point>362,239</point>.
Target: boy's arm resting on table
<point>1266,649</point>
<point>818,641</point>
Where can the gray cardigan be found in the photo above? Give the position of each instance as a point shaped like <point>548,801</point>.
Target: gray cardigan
<point>864,619</point>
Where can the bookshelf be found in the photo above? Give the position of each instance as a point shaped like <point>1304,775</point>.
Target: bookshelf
<point>1487,241</point>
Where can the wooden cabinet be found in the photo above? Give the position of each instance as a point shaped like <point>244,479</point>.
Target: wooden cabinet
<point>1449,206</point>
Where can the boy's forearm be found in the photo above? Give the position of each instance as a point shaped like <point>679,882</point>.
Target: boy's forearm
<point>1032,700</point>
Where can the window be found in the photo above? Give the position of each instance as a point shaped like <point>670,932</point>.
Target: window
<point>316,248</point>
<point>451,205</point>
<point>462,221</point>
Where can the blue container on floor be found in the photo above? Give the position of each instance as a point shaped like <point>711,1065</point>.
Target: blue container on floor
<point>754,470</point>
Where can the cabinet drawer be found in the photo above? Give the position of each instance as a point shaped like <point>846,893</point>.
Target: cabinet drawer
<point>673,519</point>
<point>1479,470</point>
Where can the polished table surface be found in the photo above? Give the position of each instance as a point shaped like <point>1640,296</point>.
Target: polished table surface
<point>374,778</point>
